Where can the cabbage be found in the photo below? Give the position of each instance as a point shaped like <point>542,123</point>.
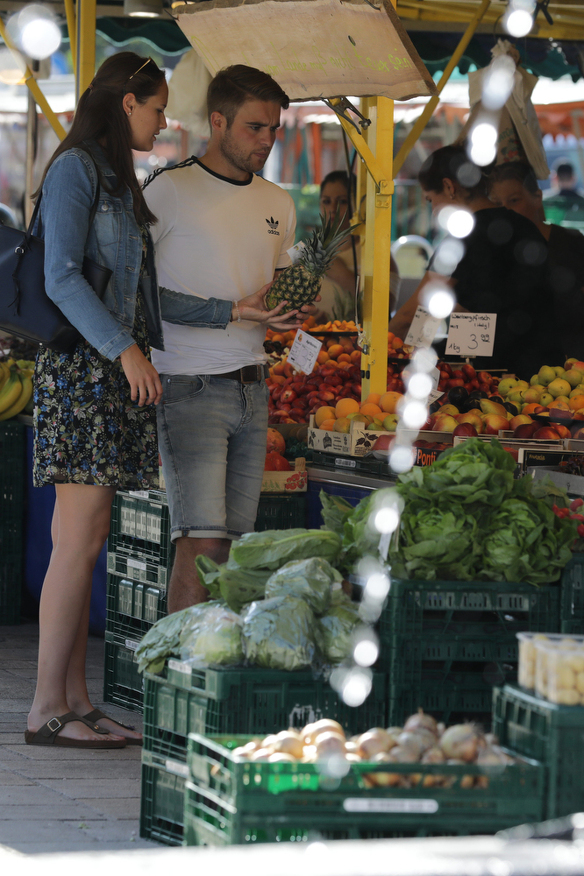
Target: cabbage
<point>279,633</point>
<point>309,580</point>
<point>336,628</point>
<point>211,637</point>
<point>275,547</point>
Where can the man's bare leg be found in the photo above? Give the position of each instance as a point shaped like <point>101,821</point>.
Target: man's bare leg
<point>185,588</point>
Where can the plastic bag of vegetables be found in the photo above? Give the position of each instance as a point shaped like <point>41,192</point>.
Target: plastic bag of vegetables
<point>336,627</point>
<point>211,636</point>
<point>309,580</point>
<point>162,640</point>
<point>279,633</point>
<point>275,547</point>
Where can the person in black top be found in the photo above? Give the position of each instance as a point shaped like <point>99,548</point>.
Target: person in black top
<point>503,269</point>
<point>515,186</point>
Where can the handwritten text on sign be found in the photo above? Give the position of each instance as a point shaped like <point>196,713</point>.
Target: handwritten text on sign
<point>471,334</point>
<point>422,329</point>
<point>304,351</point>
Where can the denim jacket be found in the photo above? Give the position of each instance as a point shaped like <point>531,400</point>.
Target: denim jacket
<point>114,241</point>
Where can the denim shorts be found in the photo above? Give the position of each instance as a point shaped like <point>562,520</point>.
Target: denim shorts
<point>212,439</point>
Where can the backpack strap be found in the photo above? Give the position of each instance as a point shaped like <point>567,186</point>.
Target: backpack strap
<point>186,163</point>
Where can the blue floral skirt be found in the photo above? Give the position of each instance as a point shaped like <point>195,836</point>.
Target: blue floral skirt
<point>87,429</point>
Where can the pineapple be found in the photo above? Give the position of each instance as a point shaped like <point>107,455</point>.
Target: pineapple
<point>300,283</point>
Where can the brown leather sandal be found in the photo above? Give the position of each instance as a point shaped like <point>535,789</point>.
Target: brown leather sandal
<point>96,714</point>
<point>48,734</point>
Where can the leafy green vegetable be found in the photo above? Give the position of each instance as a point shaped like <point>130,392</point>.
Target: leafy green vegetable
<point>274,547</point>
<point>335,511</point>
<point>208,572</point>
<point>360,535</point>
<point>279,633</point>
<point>309,580</point>
<point>162,641</point>
<point>436,543</point>
<point>211,637</point>
<point>238,586</point>
<point>336,628</point>
<point>525,541</point>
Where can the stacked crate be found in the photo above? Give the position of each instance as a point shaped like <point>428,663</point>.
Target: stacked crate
<point>446,644</point>
<point>139,562</point>
<point>12,483</point>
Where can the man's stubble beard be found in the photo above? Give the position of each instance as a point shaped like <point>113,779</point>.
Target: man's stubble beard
<point>235,157</point>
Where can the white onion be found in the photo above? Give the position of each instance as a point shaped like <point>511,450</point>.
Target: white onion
<point>433,755</point>
<point>374,741</point>
<point>460,741</point>
<point>328,744</point>
<point>421,720</point>
<point>418,740</point>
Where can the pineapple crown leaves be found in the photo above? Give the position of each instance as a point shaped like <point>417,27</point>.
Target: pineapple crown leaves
<point>324,242</point>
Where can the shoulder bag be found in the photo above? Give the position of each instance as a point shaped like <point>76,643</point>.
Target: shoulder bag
<point>26,310</point>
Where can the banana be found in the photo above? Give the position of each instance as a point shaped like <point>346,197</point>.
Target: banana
<point>21,401</point>
<point>4,374</point>
<point>10,392</point>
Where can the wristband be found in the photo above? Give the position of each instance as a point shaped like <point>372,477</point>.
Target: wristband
<point>236,305</point>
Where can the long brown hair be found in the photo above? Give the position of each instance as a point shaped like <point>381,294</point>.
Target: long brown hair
<point>100,116</point>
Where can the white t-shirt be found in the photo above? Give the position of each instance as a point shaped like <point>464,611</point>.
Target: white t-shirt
<point>218,238</point>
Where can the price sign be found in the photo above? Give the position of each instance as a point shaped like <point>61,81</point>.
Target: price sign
<point>422,329</point>
<point>304,351</point>
<point>471,334</point>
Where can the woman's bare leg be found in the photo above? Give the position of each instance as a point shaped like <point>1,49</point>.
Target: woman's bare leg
<point>80,527</point>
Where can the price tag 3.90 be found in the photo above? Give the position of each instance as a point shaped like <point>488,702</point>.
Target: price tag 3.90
<point>471,334</point>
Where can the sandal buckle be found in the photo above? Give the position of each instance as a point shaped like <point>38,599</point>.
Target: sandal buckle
<point>57,724</point>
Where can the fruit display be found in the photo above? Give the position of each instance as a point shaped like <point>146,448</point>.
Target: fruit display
<point>554,665</point>
<point>15,388</point>
<point>421,740</point>
<point>300,283</point>
<point>336,375</point>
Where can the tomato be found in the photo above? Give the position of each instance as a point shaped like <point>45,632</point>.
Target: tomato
<point>276,462</point>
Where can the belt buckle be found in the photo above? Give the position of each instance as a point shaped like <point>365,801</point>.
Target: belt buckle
<point>258,374</point>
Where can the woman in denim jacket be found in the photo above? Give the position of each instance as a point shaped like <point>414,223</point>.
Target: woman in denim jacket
<point>94,413</point>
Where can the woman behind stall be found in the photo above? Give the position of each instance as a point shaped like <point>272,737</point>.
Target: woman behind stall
<point>514,186</point>
<point>504,268</point>
<point>337,292</point>
<point>94,418</point>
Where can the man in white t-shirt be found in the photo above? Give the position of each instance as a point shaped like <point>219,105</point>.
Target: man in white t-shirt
<point>222,231</point>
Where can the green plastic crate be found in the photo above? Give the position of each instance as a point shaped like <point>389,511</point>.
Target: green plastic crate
<point>231,802</point>
<point>572,597</point>
<point>162,799</point>
<point>140,525</point>
<point>554,735</point>
<point>252,700</point>
<point>12,481</point>
<point>281,511</point>
<point>450,697</point>
<point>132,607</point>
<point>122,683</point>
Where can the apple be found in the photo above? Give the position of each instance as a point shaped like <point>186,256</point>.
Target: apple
<point>468,371</point>
<point>546,432</point>
<point>444,423</point>
<point>573,376</point>
<point>390,422</point>
<point>383,443</point>
<point>578,433</point>
<point>525,430</point>
<point>495,422</point>
<point>473,418</point>
<point>520,419</point>
<point>465,429</point>
<point>485,377</point>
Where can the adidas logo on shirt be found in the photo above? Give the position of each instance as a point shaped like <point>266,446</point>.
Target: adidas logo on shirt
<point>273,223</point>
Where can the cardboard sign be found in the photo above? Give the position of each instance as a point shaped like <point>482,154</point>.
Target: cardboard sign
<point>314,49</point>
<point>471,334</point>
<point>304,351</point>
<point>423,329</point>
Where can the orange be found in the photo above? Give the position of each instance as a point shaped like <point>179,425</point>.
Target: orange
<point>373,397</point>
<point>322,357</point>
<point>531,408</point>
<point>356,357</point>
<point>577,402</point>
<point>335,351</point>
<point>397,343</point>
<point>328,425</point>
<point>277,338</point>
<point>344,358</point>
<point>346,406</point>
<point>389,401</point>
<point>324,413</point>
<point>390,337</point>
<point>278,378</point>
<point>370,409</point>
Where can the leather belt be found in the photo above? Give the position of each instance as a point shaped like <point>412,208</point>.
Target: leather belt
<point>247,374</point>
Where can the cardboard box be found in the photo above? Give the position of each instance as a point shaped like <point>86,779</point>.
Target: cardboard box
<point>286,481</point>
<point>359,441</point>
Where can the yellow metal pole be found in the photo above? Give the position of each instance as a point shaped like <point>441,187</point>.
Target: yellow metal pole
<point>422,121</point>
<point>35,90</point>
<point>72,30</point>
<point>86,13</point>
<point>376,274</point>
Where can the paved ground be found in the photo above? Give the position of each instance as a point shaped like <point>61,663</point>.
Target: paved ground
<point>55,800</point>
